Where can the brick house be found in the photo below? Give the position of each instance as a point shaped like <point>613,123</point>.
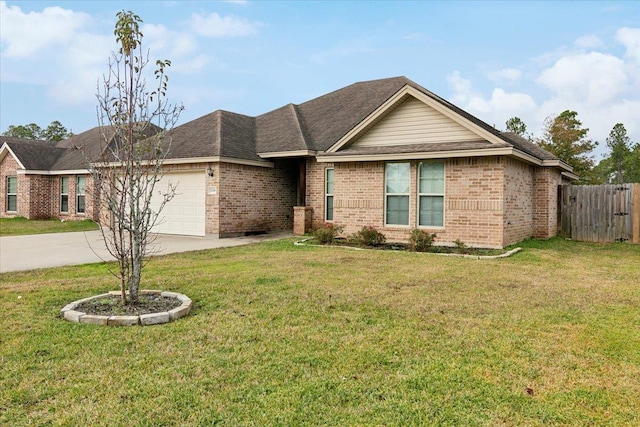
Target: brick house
<point>386,153</point>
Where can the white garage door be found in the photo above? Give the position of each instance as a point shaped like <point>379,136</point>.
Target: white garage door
<point>185,213</point>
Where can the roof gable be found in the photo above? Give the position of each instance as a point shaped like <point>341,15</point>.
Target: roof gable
<point>435,112</point>
<point>413,122</point>
<point>31,154</point>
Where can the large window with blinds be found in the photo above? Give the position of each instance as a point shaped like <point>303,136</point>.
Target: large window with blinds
<point>12,194</point>
<point>64,194</point>
<point>431,194</point>
<point>397,177</point>
<point>80,189</point>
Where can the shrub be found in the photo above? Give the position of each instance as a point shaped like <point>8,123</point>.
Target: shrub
<point>327,233</point>
<point>420,240</point>
<point>368,236</point>
<point>461,246</point>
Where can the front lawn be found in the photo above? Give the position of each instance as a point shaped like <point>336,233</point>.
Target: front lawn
<point>293,336</point>
<point>20,226</point>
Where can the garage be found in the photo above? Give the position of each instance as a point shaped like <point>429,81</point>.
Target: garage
<point>185,213</point>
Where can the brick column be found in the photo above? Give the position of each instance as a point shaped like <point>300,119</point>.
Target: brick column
<point>302,219</point>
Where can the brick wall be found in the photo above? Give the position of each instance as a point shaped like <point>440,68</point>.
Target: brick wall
<point>474,206</point>
<point>315,189</point>
<point>474,199</point>
<point>39,195</point>
<point>358,199</point>
<point>253,198</point>
<point>36,194</point>
<point>545,202</point>
<point>518,201</point>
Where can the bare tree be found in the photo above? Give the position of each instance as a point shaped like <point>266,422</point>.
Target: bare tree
<point>134,122</point>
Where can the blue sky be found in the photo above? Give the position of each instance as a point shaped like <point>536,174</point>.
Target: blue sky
<point>494,59</point>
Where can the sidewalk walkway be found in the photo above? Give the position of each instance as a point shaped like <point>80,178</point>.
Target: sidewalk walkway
<point>18,253</point>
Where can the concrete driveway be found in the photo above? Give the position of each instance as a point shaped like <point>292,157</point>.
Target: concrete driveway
<point>18,253</point>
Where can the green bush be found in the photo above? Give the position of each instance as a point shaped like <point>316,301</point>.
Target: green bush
<point>461,246</point>
<point>368,236</point>
<point>420,240</point>
<point>327,233</point>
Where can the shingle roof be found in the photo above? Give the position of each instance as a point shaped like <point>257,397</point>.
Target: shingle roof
<point>527,146</point>
<point>329,117</point>
<point>221,133</point>
<point>90,145</point>
<point>281,130</point>
<point>33,154</point>
<point>315,125</point>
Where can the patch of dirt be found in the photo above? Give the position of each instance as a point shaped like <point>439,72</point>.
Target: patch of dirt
<point>112,305</point>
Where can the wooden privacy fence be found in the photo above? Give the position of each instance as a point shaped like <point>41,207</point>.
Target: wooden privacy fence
<point>600,213</point>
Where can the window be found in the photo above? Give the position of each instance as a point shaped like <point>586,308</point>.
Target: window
<point>397,180</point>
<point>12,193</point>
<point>80,187</point>
<point>64,194</point>
<point>431,194</point>
<point>328,197</point>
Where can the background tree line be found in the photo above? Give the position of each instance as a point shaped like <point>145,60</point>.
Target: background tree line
<point>54,132</point>
<point>565,137</point>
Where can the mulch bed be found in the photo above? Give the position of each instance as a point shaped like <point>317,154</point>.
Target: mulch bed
<point>391,246</point>
<point>112,305</point>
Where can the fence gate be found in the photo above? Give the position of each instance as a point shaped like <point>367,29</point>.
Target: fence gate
<point>600,213</point>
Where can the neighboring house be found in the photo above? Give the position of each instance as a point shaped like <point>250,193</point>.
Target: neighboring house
<point>384,153</point>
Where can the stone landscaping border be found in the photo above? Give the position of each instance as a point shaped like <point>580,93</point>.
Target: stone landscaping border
<point>504,255</point>
<point>70,313</point>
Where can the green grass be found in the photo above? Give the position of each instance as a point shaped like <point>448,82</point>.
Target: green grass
<point>285,335</point>
<point>20,226</point>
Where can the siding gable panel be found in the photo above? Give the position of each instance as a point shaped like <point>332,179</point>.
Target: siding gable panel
<point>414,122</point>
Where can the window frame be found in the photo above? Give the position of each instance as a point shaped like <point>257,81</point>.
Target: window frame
<point>9,195</point>
<point>328,194</point>
<point>80,194</point>
<point>64,194</point>
<point>431,194</point>
<point>407,195</point>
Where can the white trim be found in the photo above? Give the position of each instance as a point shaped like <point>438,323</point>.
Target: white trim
<point>60,172</point>
<point>5,147</point>
<point>218,159</point>
<point>570,175</point>
<point>214,159</point>
<point>503,151</point>
<point>297,153</point>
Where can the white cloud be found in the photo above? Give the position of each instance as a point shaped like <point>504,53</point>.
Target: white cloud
<point>497,109</point>
<point>589,42</point>
<point>593,78</point>
<point>24,34</point>
<point>164,42</point>
<point>505,74</point>
<point>216,26</point>
<point>602,87</point>
<point>465,96</point>
<point>630,39</point>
